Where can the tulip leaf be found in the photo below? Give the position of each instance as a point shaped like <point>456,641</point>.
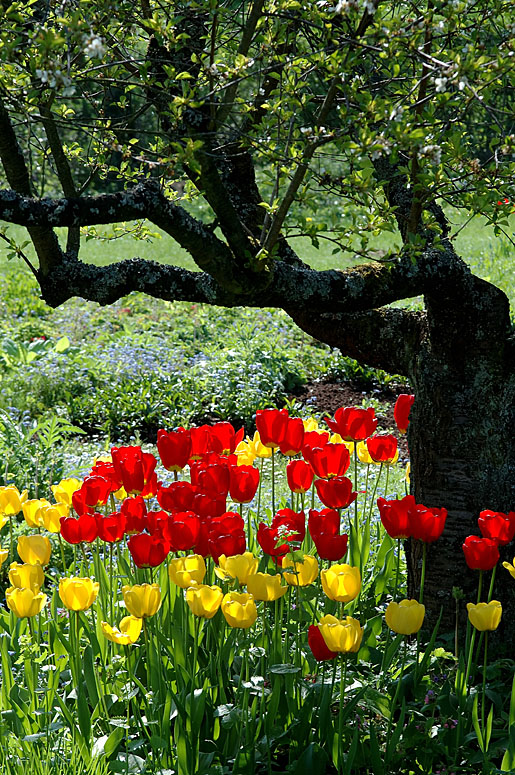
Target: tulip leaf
<point>62,344</point>
<point>475,722</point>
<point>83,715</point>
<point>284,669</point>
<point>375,753</point>
<point>489,722</point>
<point>312,759</point>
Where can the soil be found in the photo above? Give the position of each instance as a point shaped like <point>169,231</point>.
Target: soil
<point>326,396</point>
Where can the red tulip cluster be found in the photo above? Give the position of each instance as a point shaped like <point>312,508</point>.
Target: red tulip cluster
<point>406,519</point>
<point>193,514</point>
<point>497,529</point>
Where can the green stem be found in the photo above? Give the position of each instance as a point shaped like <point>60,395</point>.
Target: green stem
<point>480,586</point>
<point>374,492</point>
<point>343,677</point>
<point>483,698</point>
<point>491,588</point>
<point>273,480</point>
<point>394,703</point>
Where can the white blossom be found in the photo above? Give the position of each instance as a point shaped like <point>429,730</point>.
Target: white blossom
<point>94,47</point>
<point>441,84</point>
<point>432,153</point>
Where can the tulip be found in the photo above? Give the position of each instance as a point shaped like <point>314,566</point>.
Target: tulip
<point>181,530</point>
<point>291,524</point>
<point>142,600</point>
<point>129,632</point>
<point>263,586</point>
<point>245,453</point>
<point>51,516</point>
<point>26,576</point>
<point>258,448</point>
<point>363,453</point>
<point>177,497</point>
<point>239,609</point>
<point>510,568</point>
<point>204,600</point>
<point>11,500</point>
<point>271,425</point>
<point>314,439</point>
<point>269,539</point>
<point>427,524</point>
<point>147,551</point>
<point>34,549</point>
<point>243,483</point>
<point>135,469</point>
<point>32,511</point>
<point>24,602</point>
<point>318,645</point>
<point>94,492</point>
<point>63,491</point>
<point>75,531</point>
<point>299,475</point>
<point>231,543</point>
<point>402,410</point>
<point>174,448</point>
<point>224,438</point>
<point>111,528</point>
<point>186,571</point>
<point>480,553</point>
<point>304,572</point>
<point>353,424</point>
<point>211,479</point>
<point>485,616</point>
<point>405,617</point>
<point>103,467</point>
<point>336,493</point>
<point>237,566</point>
<point>207,507</point>
<point>330,461</point>
<point>135,511</point>
<point>497,526</point>
<point>383,448</point>
<point>396,515</point>
<point>323,521</point>
<point>341,635</point>
<point>78,594</point>
<point>341,583</point>
<point>292,441</point>
<point>3,555</point>
<point>331,547</point>
<point>201,442</point>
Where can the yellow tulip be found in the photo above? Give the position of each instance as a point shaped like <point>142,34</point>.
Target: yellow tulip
<point>341,582</point>
<point>3,520</point>
<point>3,555</point>
<point>264,586</point>
<point>485,616</point>
<point>64,490</point>
<point>363,453</point>
<point>50,516</point>
<point>239,609</point>
<point>11,500</point>
<point>142,600</point>
<point>26,576</point>
<point>121,494</point>
<point>129,632</point>
<point>258,449</point>
<point>237,566</point>
<point>204,600</point>
<point>245,453</point>
<point>342,635</point>
<point>78,594</point>
<point>405,617</point>
<point>510,568</point>
<point>311,425</point>
<point>184,571</point>
<point>24,602</point>
<point>304,573</point>
<point>32,511</point>
<point>34,549</point>
<point>335,438</point>
<point>408,472</point>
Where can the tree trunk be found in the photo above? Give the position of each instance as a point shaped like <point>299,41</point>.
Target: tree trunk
<point>462,444</point>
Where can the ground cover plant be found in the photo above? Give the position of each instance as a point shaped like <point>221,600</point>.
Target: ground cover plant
<point>247,612</point>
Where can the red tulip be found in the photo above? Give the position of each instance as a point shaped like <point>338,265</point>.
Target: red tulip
<point>201,442</point>
<point>174,448</point>
<point>331,547</point>
<point>292,441</point>
<point>271,425</point>
<point>480,553</point>
<point>336,493</point>
<point>94,492</point>
<point>135,512</point>
<point>211,479</point>
<point>314,439</point>
<point>427,524</point>
<point>228,522</point>
<point>299,475</point>
<point>228,544</point>
<point>353,424</point>
<point>324,521</point>
<point>329,461</point>
<point>202,543</point>
<point>111,528</point>
<point>382,448</point>
<point>269,540</point>
<point>225,438</point>
<point>498,526</point>
<point>176,497</point>
<point>401,411</point>
<point>155,522</point>
<point>318,646</point>
<point>182,531</point>
<point>74,531</point>
<point>207,507</point>
<point>291,524</point>
<point>147,551</point>
<point>105,469</point>
<point>396,515</point>
<point>244,481</point>
<point>136,470</point>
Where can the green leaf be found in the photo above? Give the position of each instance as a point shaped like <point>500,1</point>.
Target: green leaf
<point>62,344</point>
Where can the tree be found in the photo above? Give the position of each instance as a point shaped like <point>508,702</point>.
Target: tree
<point>260,110</point>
